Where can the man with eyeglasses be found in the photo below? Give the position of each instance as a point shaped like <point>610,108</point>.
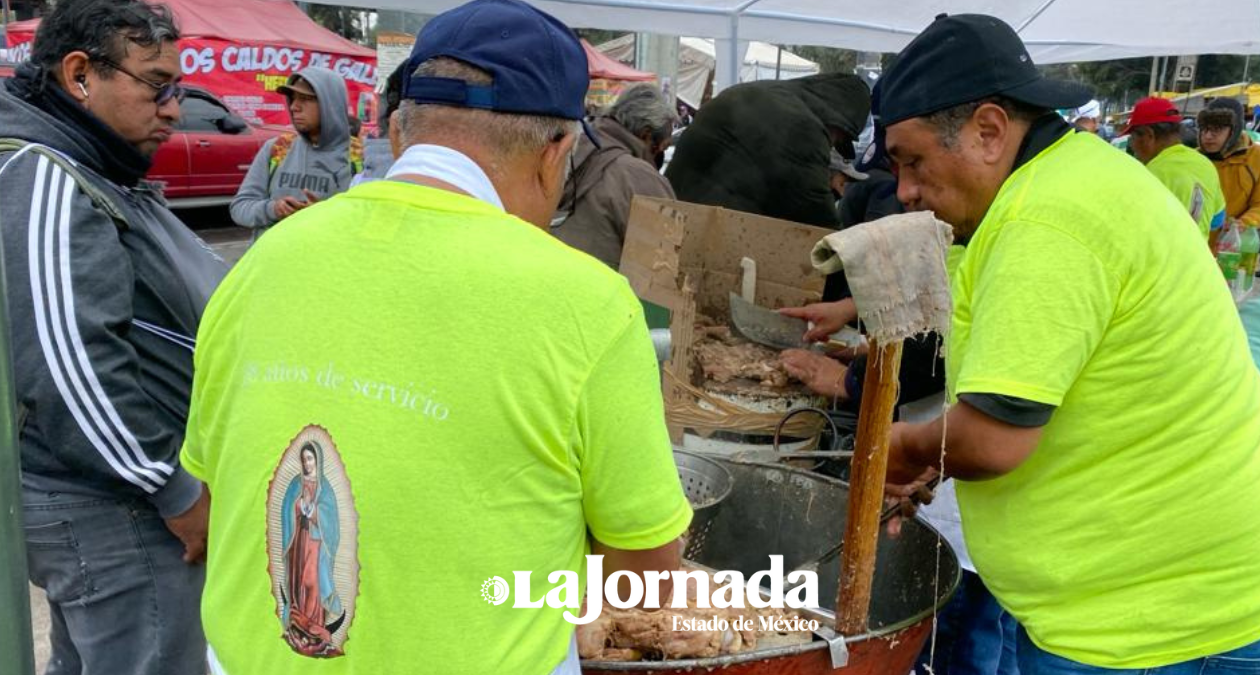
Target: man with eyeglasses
<point>298,169</point>
<point>105,291</point>
<point>1224,140</point>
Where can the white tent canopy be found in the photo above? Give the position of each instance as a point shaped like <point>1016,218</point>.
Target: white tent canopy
<point>1055,31</point>
<point>760,60</point>
<point>697,58</point>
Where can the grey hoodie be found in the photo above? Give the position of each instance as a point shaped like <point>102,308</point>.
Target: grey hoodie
<point>323,167</point>
<point>103,320</point>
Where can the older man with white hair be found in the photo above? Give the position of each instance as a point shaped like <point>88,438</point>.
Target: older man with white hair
<point>411,393</point>
<point>596,203</point>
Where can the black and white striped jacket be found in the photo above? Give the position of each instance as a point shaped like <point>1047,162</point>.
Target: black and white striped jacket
<point>103,317</point>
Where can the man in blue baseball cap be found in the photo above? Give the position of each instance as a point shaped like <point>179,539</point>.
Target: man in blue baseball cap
<point>417,411</point>
<point>1092,453</point>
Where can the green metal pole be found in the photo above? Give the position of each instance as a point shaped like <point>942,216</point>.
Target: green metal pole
<point>17,655</point>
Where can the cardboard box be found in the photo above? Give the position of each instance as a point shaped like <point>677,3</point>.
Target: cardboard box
<point>686,258</point>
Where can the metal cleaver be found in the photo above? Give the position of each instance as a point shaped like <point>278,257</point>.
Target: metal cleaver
<point>766,326</point>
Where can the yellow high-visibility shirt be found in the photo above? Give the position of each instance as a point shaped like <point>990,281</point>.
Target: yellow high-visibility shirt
<point>1130,538</point>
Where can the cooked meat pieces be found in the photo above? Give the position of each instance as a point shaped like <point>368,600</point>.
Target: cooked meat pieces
<point>614,654</point>
<point>653,634</point>
<point>633,634</point>
<point>642,630</point>
<point>595,637</point>
<point>683,644</point>
<point>723,357</point>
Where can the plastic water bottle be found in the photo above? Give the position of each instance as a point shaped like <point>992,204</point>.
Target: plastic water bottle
<point>1248,248</point>
<point>1229,255</point>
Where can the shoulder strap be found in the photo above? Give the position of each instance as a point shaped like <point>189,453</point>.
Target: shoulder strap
<point>99,198</point>
<point>356,156</point>
<point>591,172</point>
<point>280,150</point>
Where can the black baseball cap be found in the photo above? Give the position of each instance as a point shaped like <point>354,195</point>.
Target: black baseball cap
<point>538,64</point>
<point>964,58</point>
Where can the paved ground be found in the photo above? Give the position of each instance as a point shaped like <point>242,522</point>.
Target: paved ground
<point>230,242</point>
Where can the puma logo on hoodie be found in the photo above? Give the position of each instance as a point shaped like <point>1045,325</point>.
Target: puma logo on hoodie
<point>299,181</point>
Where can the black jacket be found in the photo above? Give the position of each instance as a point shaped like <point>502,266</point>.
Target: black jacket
<point>764,147</point>
<point>104,314</point>
<point>870,199</point>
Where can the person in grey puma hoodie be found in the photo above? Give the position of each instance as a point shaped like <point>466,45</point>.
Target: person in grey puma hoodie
<point>316,166</point>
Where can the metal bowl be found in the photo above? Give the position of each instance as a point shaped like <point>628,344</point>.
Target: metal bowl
<point>706,483</point>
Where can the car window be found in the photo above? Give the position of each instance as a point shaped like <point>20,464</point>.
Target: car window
<point>200,114</point>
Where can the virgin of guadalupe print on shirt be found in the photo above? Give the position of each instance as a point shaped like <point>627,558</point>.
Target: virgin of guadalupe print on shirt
<point>312,545</point>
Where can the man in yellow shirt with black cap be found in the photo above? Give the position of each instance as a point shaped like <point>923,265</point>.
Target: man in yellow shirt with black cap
<point>1105,413</point>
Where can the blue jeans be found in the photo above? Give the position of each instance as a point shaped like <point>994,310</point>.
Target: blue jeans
<point>121,599</point>
<point>974,635</point>
<point>1035,661</point>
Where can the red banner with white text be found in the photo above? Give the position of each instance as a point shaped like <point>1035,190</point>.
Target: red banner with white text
<point>246,76</point>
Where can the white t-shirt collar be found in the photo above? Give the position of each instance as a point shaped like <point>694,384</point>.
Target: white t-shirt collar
<point>449,166</point>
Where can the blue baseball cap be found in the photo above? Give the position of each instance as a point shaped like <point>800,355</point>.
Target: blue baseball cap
<point>538,64</point>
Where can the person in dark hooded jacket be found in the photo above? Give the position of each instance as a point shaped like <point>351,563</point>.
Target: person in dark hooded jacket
<point>765,147</point>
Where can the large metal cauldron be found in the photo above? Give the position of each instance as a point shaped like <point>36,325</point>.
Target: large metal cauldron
<point>799,515</point>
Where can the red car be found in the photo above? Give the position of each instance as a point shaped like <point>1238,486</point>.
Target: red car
<point>206,159</point>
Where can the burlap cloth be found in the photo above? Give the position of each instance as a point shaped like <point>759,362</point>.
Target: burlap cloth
<point>896,269</point>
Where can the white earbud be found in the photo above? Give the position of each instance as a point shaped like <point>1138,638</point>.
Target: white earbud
<point>83,89</point>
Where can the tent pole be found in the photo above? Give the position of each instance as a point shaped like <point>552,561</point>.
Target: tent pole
<point>734,56</point>
<point>1185,105</point>
<point>16,641</point>
<point>778,63</point>
<point>1034,16</point>
<point>1154,71</point>
<point>1246,67</point>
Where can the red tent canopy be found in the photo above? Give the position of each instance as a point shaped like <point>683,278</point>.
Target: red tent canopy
<point>27,26</point>
<point>603,67</point>
<point>271,22</point>
<point>276,22</point>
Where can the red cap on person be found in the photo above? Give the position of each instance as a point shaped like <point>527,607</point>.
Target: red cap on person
<point>1152,110</point>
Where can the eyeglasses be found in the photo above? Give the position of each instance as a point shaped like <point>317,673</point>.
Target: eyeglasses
<point>165,91</point>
